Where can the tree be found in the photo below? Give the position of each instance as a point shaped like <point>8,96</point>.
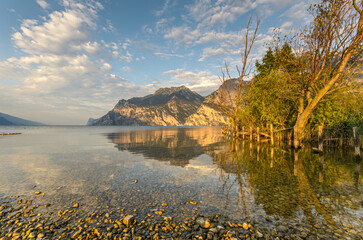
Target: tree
<point>230,100</point>
<point>271,97</point>
<point>328,54</point>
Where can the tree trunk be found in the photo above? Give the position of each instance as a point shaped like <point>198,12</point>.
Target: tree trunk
<point>300,124</point>
<point>304,115</point>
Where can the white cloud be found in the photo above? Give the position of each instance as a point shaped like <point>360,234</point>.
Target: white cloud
<point>63,32</point>
<point>161,24</point>
<point>204,16</point>
<point>167,55</point>
<point>109,26</point>
<point>43,4</point>
<point>213,52</point>
<point>127,57</point>
<point>203,81</point>
<point>163,10</point>
<point>183,35</point>
<point>208,13</point>
<point>298,10</point>
<point>147,29</point>
<point>61,69</point>
<point>126,69</point>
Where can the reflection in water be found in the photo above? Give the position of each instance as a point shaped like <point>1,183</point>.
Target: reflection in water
<point>176,145</point>
<point>298,185</point>
<point>356,172</point>
<point>174,165</point>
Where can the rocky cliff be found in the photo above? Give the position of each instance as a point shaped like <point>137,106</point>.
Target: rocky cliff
<point>166,107</point>
<point>175,106</point>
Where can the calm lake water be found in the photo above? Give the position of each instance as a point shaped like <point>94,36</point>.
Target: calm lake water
<point>189,169</point>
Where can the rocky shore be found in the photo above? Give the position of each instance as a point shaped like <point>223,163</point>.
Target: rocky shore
<point>24,219</point>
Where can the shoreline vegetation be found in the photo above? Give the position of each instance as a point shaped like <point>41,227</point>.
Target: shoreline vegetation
<point>310,79</point>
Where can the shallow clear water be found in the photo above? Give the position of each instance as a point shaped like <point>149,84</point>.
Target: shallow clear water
<point>189,169</point>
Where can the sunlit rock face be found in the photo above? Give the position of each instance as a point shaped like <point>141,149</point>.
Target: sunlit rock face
<point>209,113</point>
<point>166,107</point>
<point>175,106</point>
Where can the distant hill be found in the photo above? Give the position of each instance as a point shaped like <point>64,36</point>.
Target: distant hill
<point>175,106</point>
<point>6,119</point>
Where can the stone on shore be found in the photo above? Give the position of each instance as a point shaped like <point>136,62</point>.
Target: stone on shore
<point>128,220</point>
<point>203,222</point>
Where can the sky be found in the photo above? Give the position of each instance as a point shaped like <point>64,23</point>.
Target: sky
<point>64,61</point>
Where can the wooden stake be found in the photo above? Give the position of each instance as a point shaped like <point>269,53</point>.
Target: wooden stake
<point>258,134</point>
<point>272,134</point>
<point>320,138</point>
<point>251,133</point>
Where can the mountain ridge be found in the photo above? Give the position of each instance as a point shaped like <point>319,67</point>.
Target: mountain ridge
<point>174,106</point>
<point>8,120</point>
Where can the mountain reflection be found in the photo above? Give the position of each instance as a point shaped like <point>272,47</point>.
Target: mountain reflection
<point>175,145</point>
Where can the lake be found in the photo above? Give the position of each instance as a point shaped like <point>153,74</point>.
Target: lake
<point>182,173</point>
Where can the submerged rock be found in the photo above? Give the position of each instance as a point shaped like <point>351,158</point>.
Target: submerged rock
<point>128,220</point>
<point>203,222</point>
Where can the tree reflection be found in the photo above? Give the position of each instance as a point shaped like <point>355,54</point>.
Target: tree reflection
<point>288,182</point>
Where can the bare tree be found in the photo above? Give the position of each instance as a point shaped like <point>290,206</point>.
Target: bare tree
<point>330,51</point>
<point>230,100</point>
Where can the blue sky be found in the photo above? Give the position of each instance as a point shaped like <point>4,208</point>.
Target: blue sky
<point>63,61</point>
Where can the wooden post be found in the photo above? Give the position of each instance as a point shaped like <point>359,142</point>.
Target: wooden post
<point>251,133</point>
<point>272,134</point>
<point>320,138</point>
<point>356,143</point>
<point>258,134</point>
<point>250,148</point>
<point>243,133</point>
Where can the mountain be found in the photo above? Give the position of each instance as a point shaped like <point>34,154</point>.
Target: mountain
<point>6,119</point>
<point>209,113</point>
<point>166,107</point>
<point>175,106</point>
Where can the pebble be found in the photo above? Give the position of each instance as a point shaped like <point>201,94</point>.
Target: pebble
<point>258,234</point>
<point>245,225</point>
<point>203,222</point>
<point>128,220</point>
<point>28,223</point>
